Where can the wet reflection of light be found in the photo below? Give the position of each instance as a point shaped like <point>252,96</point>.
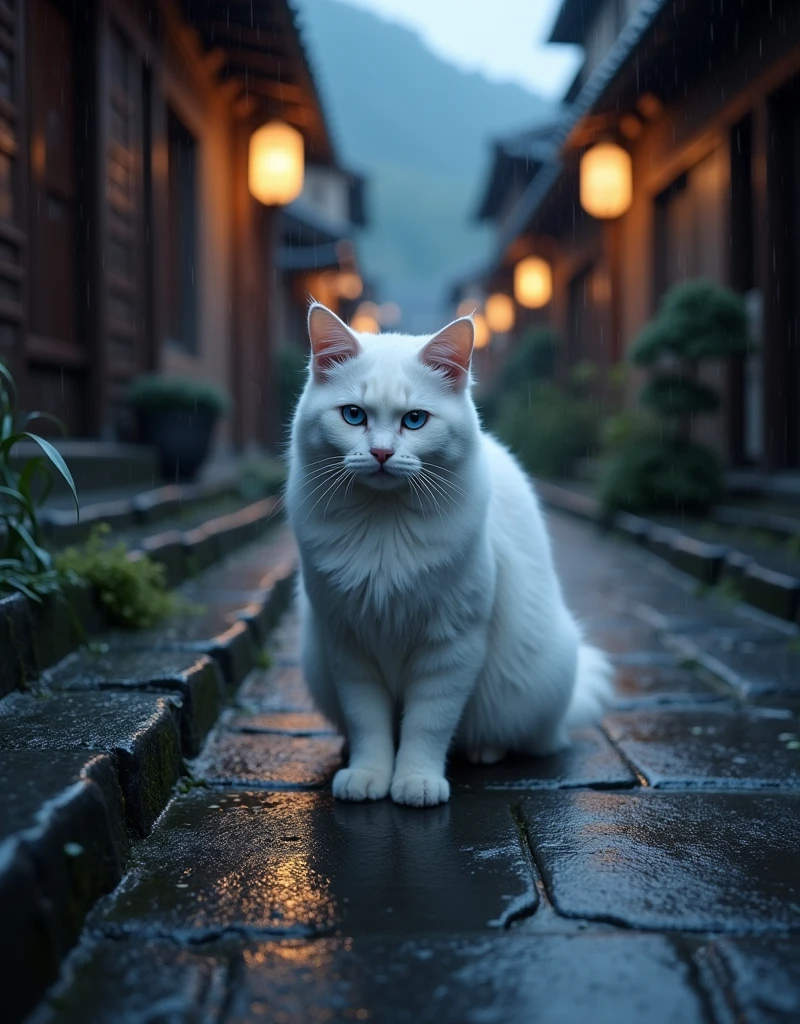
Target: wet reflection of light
<point>272,881</point>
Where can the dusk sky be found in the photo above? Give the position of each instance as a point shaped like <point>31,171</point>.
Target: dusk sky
<point>504,39</point>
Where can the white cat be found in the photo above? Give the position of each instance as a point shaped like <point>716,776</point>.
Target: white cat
<point>431,612</point>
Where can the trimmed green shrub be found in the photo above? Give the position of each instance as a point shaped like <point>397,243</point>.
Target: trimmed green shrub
<point>672,395</point>
<point>532,359</point>
<point>548,430</point>
<point>157,391</point>
<point>661,467</point>
<point>652,472</point>
<point>696,320</point>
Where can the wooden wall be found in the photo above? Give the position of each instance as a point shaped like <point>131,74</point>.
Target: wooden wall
<point>84,174</point>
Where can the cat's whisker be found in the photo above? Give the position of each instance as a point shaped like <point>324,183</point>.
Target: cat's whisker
<point>336,488</point>
<point>424,484</point>
<point>331,473</point>
<point>311,477</point>
<point>442,469</point>
<point>418,496</point>
<point>448,483</point>
<point>434,484</point>
<point>336,481</point>
<point>328,458</point>
<point>319,468</point>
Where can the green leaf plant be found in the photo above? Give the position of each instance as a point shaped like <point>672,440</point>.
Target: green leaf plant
<point>25,564</point>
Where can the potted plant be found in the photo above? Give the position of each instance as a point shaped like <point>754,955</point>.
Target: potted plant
<point>177,415</point>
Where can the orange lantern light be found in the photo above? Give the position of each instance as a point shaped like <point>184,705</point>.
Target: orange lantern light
<point>482,333</point>
<point>499,312</point>
<point>365,320</point>
<point>533,282</point>
<point>606,181</point>
<point>349,284</point>
<point>276,164</point>
<point>468,306</point>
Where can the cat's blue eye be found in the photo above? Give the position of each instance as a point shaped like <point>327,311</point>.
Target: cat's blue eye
<point>415,419</point>
<point>354,415</point>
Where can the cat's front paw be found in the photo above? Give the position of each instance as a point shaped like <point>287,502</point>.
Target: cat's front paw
<point>360,784</point>
<point>419,790</point>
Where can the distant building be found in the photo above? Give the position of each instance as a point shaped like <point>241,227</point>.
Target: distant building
<point>129,240</point>
<point>705,96</point>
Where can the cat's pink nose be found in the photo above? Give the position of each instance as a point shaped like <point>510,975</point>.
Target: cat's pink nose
<point>382,454</point>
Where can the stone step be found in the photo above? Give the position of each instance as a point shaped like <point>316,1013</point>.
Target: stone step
<point>63,844</point>
<point>130,706</point>
<point>35,635</point>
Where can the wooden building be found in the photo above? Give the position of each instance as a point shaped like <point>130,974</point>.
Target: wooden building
<point>705,96</point>
<point>129,240</point>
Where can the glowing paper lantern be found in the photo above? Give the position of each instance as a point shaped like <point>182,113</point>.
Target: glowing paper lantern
<point>365,323</point>
<point>482,333</point>
<point>468,306</point>
<point>349,285</point>
<point>276,164</point>
<point>533,282</point>
<point>606,181</point>
<point>499,312</point>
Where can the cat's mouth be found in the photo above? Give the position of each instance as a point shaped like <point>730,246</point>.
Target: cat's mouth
<point>383,479</point>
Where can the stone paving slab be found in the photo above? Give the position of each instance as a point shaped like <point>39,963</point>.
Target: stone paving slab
<point>712,748</point>
<point>196,678</point>
<point>657,684</point>
<point>292,723</point>
<point>140,730</point>
<point>453,979</point>
<point>122,983</point>
<point>299,863</point>
<point>62,845</point>
<point>468,980</point>
<point>657,860</point>
<point>621,634</point>
<point>219,633</point>
<point>753,663</point>
<point>758,978</point>
<point>590,761</point>
<point>278,689</point>
<point>269,760</point>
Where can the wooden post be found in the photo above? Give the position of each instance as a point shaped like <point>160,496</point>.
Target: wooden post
<point>771,252</point>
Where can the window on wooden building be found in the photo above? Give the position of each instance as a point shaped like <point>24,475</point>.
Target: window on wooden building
<point>182,236</point>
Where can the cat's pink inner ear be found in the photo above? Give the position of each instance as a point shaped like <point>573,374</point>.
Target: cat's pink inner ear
<point>450,351</point>
<point>331,340</point>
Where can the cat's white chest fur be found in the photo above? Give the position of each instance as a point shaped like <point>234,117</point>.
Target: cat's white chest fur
<point>429,602</point>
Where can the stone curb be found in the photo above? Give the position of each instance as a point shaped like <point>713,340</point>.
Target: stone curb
<point>136,721</point>
<point>773,592</point>
<point>197,680</point>
<point>61,528</point>
<point>34,636</point>
<point>68,850</point>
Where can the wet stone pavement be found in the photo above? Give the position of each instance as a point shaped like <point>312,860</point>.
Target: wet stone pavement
<point>650,873</point>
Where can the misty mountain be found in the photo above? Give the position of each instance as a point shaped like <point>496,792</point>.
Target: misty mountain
<point>419,128</point>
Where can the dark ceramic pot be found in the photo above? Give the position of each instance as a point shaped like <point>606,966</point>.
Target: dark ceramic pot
<point>182,437</point>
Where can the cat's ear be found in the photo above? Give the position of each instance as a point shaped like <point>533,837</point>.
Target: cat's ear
<point>450,351</point>
<point>331,340</point>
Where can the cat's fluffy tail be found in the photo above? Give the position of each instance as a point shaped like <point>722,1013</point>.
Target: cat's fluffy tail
<point>593,687</point>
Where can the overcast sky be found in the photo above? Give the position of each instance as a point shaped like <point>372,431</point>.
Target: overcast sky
<point>504,39</point>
